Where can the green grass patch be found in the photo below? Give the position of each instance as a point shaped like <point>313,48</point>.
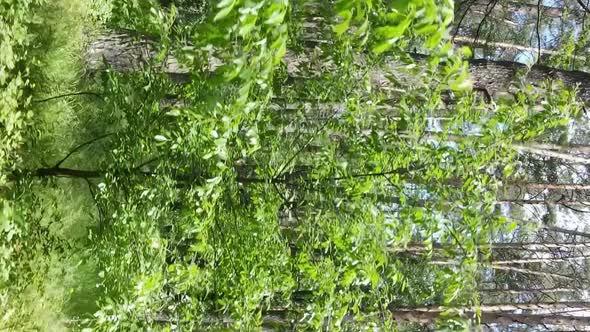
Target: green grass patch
<point>47,282</point>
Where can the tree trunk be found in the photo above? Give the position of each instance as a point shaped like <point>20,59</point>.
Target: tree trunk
<point>524,291</point>
<point>528,246</point>
<point>474,43</point>
<point>550,186</point>
<point>548,275</point>
<point>567,231</point>
<point>556,305</point>
<point>554,154</point>
<point>545,260</point>
<point>125,52</point>
<point>568,149</point>
<point>500,318</point>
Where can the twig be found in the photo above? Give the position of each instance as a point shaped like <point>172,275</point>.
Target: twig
<point>485,17</point>
<point>337,178</point>
<point>461,20</point>
<point>82,93</point>
<point>80,147</point>
<point>146,162</point>
<point>100,214</point>
<point>574,209</point>
<point>531,272</point>
<point>285,165</point>
<point>456,238</point>
<point>364,175</point>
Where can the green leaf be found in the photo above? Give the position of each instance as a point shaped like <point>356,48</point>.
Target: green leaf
<point>280,47</point>
<point>380,48</point>
<point>160,138</point>
<point>512,226</point>
<point>276,18</point>
<point>341,28</point>
<point>225,3</point>
<point>434,39</point>
<point>390,32</point>
<point>247,24</point>
<point>363,28</point>
<point>225,11</point>
<point>373,276</point>
<point>400,5</point>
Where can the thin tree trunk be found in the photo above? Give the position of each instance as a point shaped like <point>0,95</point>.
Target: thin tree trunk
<point>500,318</point>
<point>496,77</point>
<point>518,261</point>
<point>550,186</point>
<point>567,231</point>
<point>64,172</point>
<point>534,272</point>
<point>530,149</point>
<point>555,200</point>
<point>470,41</point>
<point>523,8</point>
<point>529,246</point>
<point>554,154</point>
<point>524,291</point>
<point>555,305</point>
<point>569,149</point>
<point>565,201</point>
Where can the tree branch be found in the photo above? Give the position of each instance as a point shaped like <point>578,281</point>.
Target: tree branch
<point>585,7</point>
<point>80,147</point>
<point>81,93</point>
<point>461,19</point>
<point>67,172</point>
<point>485,17</point>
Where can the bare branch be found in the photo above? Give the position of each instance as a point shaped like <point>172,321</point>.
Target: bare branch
<point>80,147</point>
<point>81,93</point>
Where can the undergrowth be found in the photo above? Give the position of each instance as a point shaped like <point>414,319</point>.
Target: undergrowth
<point>47,64</point>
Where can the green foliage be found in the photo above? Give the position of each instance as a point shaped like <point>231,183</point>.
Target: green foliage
<point>241,206</point>
<point>15,117</point>
<point>205,238</point>
<point>42,225</point>
<point>569,55</point>
<point>15,68</point>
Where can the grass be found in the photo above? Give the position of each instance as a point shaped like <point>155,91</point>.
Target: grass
<point>63,280</point>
